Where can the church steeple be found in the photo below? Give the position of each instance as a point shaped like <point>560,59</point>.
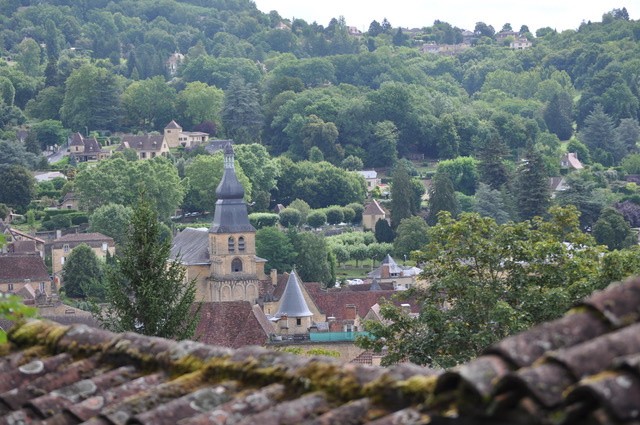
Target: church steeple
<point>292,302</point>
<point>231,214</point>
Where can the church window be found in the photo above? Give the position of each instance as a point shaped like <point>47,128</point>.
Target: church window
<point>236,265</point>
<point>241,243</point>
<point>232,244</point>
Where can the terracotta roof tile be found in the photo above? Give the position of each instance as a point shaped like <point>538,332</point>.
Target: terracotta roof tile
<point>72,374</point>
<point>17,268</point>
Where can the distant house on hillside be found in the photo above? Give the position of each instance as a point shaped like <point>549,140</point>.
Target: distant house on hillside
<point>174,61</point>
<point>84,149</point>
<point>371,214</point>
<point>147,146</point>
<point>176,137</point>
<point>371,178</point>
<point>570,161</point>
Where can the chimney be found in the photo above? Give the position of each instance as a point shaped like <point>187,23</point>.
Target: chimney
<point>350,312</point>
<point>274,277</point>
<point>58,234</point>
<point>384,273</point>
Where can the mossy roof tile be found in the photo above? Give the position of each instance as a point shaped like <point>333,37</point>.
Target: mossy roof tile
<point>582,368</point>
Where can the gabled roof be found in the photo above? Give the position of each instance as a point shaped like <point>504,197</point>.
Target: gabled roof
<point>580,369</point>
<point>191,246</point>
<point>73,239</point>
<point>571,160</point>
<point>76,140</point>
<point>18,268</point>
<point>373,208</point>
<point>292,302</point>
<point>145,142</point>
<point>369,174</point>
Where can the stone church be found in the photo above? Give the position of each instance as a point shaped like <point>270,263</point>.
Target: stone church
<point>223,258</point>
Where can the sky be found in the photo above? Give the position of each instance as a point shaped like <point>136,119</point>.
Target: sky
<point>558,14</point>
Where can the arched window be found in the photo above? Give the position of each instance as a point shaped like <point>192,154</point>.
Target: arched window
<point>236,265</point>
<point>232,244</point>
<point>241,243</point>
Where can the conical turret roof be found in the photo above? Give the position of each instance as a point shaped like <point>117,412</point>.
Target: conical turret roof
<point>292,302</point>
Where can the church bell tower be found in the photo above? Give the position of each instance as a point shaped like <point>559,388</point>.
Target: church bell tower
<point>235,269</point>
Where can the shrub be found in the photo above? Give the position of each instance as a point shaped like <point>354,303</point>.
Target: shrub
<point>260,220</point>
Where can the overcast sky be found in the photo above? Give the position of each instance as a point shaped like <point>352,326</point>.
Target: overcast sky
<point>558,14</point>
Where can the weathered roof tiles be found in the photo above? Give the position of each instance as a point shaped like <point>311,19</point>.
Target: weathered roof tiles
<point>583,368</point>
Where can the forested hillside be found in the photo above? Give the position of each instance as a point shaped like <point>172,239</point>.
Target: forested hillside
<point>294,85</point>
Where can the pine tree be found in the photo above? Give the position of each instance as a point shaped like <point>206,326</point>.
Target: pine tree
<point>442,197</point>
<point>492,168</point>
<point>532,187</point>
<point>401,196</point>
<point>146,292</point>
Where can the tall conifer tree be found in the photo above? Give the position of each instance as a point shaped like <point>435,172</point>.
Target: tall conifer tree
<point>146,292</point>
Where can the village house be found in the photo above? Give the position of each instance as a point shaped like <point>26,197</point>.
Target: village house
<point>520,44</point>
<point>24,275</point>
<point>62,247</point>
<point>146,146</point>
<point>176,137</point>
<point>70,202</point>
<point>371,214</point>
<point>175,60</point>
<point>84,149</point>
<point>401,277</point>
<point>20,242</point>
<point>371,179</point>
<point>570,161</point>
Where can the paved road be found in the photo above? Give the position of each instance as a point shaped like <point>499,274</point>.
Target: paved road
<point>58,155</point>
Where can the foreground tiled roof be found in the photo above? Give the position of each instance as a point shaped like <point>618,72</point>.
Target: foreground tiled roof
<point>580,369</point>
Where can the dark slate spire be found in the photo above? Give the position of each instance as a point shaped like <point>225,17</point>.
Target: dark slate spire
<point>231,211</point>
<point>229,187</point>
<point>292,302</point>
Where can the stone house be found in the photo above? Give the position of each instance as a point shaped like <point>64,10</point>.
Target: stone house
<point>20,242</point>
<point>176,137</point>
<point>146,146</point>
<point>371,179</point>
<point>371,214</point>
<point>570,161</point>
<point>62,247</point>
<point>84,149</point>
<point>401,277</point>
<point>69,202</point>
<point>25,275</point>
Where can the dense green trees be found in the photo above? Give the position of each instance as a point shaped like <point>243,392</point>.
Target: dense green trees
<point>82,274</point>
<point>112,220</point>
<point>80,107</point>
<point>18,186</point>
<point>204,174</point>
<point>120,182</point>
<point>482,272</point>
<point>277,248</point>
<point>145,292</point>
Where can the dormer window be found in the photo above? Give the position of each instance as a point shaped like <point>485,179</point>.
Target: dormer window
<point>241,243</point>
<point>232,244</point>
